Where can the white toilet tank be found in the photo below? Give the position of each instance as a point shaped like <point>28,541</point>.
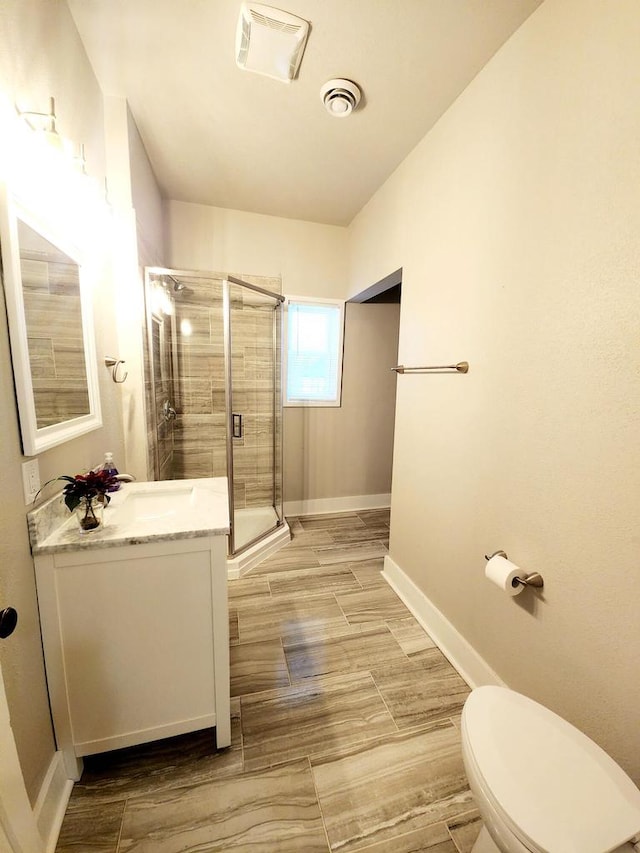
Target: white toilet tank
<point>553,787</point>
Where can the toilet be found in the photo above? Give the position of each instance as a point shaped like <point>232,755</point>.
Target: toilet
<point>541,785</point>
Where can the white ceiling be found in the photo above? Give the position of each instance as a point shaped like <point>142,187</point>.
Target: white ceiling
<point>221,136</point>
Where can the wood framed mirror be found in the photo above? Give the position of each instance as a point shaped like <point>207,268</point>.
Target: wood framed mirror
<point>47,281</point>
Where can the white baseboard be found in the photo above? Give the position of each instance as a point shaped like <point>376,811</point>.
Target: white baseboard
<point>471,666</point>
<point>321,506</point>
<point>52,802</point>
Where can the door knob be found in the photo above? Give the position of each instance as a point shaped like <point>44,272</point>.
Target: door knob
<point>8,622</point>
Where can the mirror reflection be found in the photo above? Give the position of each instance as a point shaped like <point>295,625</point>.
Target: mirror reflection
<point>53,317</point>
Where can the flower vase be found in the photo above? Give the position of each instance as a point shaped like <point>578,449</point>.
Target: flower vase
<point>88,514</point>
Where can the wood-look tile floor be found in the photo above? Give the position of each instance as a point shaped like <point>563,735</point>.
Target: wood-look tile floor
<point>345,721</point>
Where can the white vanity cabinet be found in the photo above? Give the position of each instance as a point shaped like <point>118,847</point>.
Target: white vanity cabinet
<point>136,642</point>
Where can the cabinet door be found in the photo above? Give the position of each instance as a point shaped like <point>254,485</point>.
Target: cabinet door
<point>137,638</point>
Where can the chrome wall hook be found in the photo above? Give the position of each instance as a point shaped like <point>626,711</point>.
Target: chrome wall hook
<point>114,364</point>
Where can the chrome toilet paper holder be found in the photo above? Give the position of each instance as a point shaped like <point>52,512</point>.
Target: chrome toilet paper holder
<point>534,579</point>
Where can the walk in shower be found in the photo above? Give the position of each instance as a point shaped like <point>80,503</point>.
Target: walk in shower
<point>213,386</point>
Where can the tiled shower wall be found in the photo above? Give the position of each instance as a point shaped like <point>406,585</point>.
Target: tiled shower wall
<point>193,380</point>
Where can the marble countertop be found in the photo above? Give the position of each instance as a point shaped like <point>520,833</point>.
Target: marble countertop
<point>138,513</point>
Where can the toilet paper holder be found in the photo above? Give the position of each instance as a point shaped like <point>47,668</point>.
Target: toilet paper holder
<point>534,579</point>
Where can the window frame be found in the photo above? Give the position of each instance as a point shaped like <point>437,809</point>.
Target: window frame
<point>308,403</point>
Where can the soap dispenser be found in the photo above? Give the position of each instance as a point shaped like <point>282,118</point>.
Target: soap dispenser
<point>109,468</point>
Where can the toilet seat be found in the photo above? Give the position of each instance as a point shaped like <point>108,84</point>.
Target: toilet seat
<point>553,787</point>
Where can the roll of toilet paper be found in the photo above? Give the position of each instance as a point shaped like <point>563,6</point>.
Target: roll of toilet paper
<point>502,573</point>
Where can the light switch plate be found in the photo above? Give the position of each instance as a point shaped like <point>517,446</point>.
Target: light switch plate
<point>30,480</point>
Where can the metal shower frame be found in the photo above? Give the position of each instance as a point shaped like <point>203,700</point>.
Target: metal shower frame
<point>277,452</point>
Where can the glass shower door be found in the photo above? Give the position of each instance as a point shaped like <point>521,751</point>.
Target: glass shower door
<point>254,422</point>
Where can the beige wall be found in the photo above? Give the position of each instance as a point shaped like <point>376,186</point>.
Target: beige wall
<point>310,258</point>
<point>138,211</point>
<point>146,199</point>
<point>41,55</point>
<point>329,453</point>
<point>517,223</point>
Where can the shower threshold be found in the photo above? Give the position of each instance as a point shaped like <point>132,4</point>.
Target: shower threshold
<point>249,525</point>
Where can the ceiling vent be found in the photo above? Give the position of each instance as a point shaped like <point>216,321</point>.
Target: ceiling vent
<point>270,42</point>
<point>340,97</point>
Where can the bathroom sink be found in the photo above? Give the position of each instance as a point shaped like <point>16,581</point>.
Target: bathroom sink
<point>157,504</point>
<point>167,507</point>
<point>141,512</point>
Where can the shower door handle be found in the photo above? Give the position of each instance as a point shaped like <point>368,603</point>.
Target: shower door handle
<point>236,426</point>
<point>168,412</point>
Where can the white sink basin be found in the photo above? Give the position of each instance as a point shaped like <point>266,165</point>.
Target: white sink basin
<point>168,506</point>
<point>156,504</point>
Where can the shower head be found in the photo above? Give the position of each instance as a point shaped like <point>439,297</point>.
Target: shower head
<point>177,285</point>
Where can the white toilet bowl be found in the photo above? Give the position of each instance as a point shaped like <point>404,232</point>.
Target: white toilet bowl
<point>541,785</point>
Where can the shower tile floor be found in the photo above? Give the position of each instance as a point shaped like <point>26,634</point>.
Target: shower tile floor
<point>345,721</point>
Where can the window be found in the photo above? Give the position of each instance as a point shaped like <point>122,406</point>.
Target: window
<point>313,352</point>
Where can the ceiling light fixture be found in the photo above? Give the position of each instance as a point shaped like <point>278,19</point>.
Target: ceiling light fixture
<point>340,97</point>
<point>270,42</point>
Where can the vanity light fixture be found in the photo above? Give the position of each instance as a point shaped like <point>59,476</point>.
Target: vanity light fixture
<point>45,124</point>
<point>41,121</point>
<point>80,160</point>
